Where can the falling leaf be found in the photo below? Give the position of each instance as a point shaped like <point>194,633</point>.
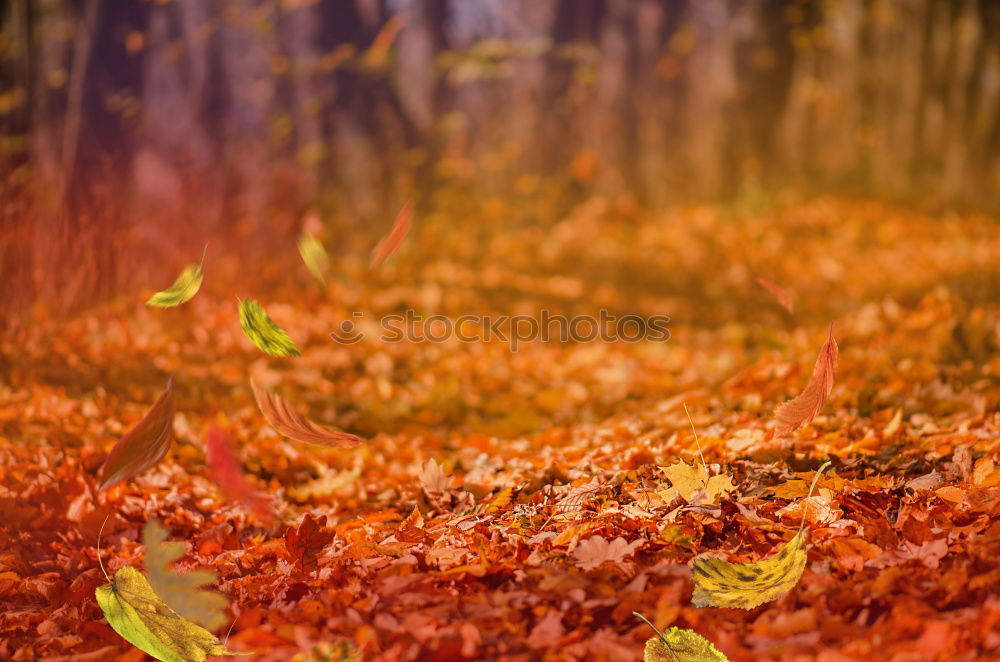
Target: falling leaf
<point>182,591</point>
<point>225,470</point>
<point>144,445</point>
<point>263,332</point>
<point>296,427</point>
<point>679,645</point>
<point>693,484</point>
<point>314,255</point>
<point>718,583</point>
<point>802,409</point>
<point>595,551</point>
<point>144,620</point>
<point>185,287</point>
<point>391,242</point>
<point>779,293</point>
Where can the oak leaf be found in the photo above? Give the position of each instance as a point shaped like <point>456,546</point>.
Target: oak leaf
<point>182,591</point>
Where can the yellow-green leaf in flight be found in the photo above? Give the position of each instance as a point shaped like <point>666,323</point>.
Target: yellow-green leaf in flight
<point>263,332</point>
<point>679,645</point>
<point>138,614</point>
<point>314,255</point>
<point>185,287</point>
<point>182,591</point>
<point>718,583</point>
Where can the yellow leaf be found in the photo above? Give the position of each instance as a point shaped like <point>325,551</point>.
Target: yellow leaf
<point>718,583</point>
<point>679,645</point>
<point>500,501</point>
<point>144,620</point>
<point>692,483</point>
<point>951,493</point>
<point>185,287</point>
<point>314,255</point>
<point>182,592</point>
<point>263,332</point>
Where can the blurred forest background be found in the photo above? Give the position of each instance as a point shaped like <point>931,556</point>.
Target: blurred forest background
<point>132,128</point>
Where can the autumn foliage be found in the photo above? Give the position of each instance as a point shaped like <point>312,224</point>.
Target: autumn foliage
<point>460,501</point>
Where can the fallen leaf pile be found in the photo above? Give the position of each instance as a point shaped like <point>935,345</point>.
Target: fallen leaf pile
<point>460,500</point>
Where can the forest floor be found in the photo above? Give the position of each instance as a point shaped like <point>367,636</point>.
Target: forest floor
<point>480,519</point>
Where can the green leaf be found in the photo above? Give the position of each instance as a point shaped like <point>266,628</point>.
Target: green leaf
<point>679,645</point>
<point>314,255</point>
<point>263,332</point>
<point>182,592</point>
<point>136,613</point>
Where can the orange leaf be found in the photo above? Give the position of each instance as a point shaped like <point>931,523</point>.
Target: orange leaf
<point>802,409</point>
<point>782,295</point>
<point>297,427</point>
<point>392,241</point>
<point>225,470</point>
<point>144,445</point>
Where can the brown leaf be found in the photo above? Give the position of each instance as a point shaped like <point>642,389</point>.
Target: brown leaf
<point>296,427</point>
<point>144,445</point>
<point>595,550</point>
<point>392,241</point>
<point>305,543</point>
<point>779,293</point>
<point>225,471</point>
<point>802,409</point>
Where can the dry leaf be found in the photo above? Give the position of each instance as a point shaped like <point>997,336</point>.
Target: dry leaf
<point>289,424</point>
<point>143,446</point>
<point>225,470</point>
<point>801,410</point>
<point>182,591</point>
<point>391,242</point>
<point>693,484</point>
<point>679,645</point>
<point>779,293</point>
<point>595,550</point>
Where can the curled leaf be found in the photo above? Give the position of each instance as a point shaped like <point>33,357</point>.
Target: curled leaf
<point>718,583</point>
<point>185,287</point>
<point>803,408</point>
<point>225,470</point>
<point>144,445</point>
<point>263,332</point>
<point>182,591</point>
<point>296,427</point>
<point>392,241</point>
<point>314,255</point>
<point>143,619</point>
<point>779,293</point>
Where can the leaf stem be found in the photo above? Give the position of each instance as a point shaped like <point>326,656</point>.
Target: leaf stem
<point>658,633</point>
<point>805,504</point>
<point>696,440</point>
<point>99,561</point>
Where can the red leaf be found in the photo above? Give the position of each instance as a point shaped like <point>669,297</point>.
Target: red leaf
<point>305,543</point>
<point>297,427</point>
<point>225,471</point>
<point>802,409</point>
<point>144,445</point>
<point>783,297</point>
<point>392,241</point>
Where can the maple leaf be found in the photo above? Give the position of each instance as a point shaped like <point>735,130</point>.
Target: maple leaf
<point>305,542</point>
<point>392,241</point>
<point>693,484</point>
<point>929,553</point>
<point>144,445</point>
<point>803,408</point>
<point>779,293</point>
<point>433,478</point>
<point>595,550</point>
<point>225,470</point>
<point>296,427</point>
<point>182,592</point>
